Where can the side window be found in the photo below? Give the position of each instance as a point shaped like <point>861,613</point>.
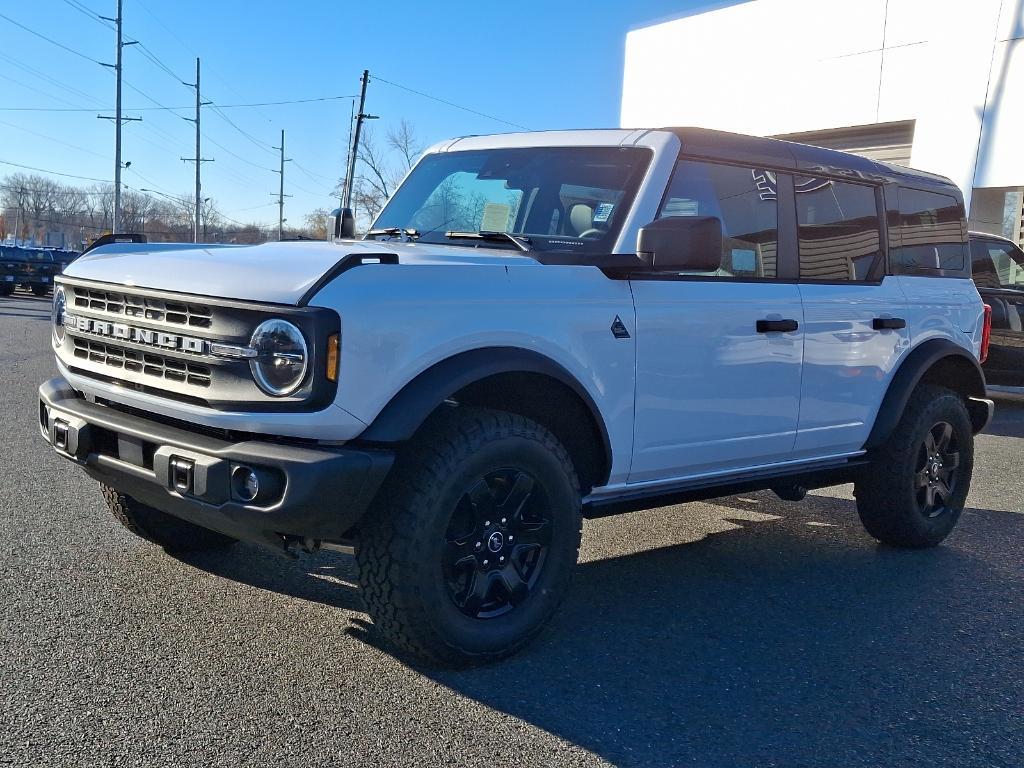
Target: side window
<point>748,213</point>
<point>837,228</point>
<point>996,265</point>
<point>931,232</point>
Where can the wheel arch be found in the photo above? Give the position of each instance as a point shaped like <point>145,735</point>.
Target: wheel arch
<point>936,361</point>
<point>506,378</point>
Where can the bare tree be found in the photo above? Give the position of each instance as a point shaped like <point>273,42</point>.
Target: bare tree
<point>379,169</point>
<point>316,223</point>
<point>403,140</point>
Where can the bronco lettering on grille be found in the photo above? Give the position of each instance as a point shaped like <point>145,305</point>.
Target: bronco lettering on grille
<point>138,335</point>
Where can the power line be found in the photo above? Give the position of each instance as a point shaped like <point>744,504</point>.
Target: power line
<point>179,109</point>
<point>380,79</point>
<point>86,11</point>
<point>40,91</point>
<point>250,208</point>
<point>51,138</point>
<point>262,145</point>
<point>50,40</point>
<point>314,176</point>
<point>147,53</point>
<point>46,78</point>
<point>55,173</point>
<point>233,154</point>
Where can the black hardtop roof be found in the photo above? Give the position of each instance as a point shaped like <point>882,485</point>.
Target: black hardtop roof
<point>789,155</point>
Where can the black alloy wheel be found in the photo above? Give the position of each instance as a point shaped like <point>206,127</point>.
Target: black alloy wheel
<point>915,489</point>
<point>472,542</point>
<point>496,543</point>
<point>937,473</point>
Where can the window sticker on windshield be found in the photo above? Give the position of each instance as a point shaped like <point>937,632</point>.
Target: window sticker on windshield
<point>603,212</point>
<point>495,218</point>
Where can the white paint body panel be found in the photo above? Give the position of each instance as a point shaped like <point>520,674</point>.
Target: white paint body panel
<point>847,364</point>
<point>399,321</point>
<point>712,393</point>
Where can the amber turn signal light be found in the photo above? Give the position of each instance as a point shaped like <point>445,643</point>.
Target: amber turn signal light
<point>332,357</point>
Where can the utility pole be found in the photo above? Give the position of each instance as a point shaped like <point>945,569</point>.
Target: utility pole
<point>348,156</point>
<point>117,118</point>
<point>17,219</point>
<point>280,194</point>
<point>198,159</point>
<point>354,154</point>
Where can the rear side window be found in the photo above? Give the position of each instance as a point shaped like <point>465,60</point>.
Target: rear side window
<point>931,228</point>
<point>748,214</point>
<point>838,229</point>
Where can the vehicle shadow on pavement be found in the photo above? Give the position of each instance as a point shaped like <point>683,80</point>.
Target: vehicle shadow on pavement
<point>327,577</point>
<point>791,640</point>
<point>797,641</point>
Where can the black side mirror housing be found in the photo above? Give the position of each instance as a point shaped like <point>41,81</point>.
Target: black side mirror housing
<point>345,224</point>
<point>681,244</point>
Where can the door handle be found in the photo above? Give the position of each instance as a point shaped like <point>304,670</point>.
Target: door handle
<point>777,326</point>
<point>888,323</point>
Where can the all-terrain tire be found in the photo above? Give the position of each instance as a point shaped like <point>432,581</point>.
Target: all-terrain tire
<point>401,551</point>
<point>892,493</point>
<point>171,533</point>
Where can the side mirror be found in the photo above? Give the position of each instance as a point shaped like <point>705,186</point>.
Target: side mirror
<point>344,224</point>
<point>681,244</point>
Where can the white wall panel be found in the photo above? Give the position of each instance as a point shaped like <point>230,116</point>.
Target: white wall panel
<point>781,66</point>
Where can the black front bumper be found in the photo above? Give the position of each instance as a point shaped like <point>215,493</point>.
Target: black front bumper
<point>320,493</point>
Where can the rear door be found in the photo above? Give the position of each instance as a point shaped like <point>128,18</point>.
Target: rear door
<point>854,325</point>
<point>718,354</point>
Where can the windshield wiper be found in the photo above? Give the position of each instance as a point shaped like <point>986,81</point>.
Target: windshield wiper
<point>405,234</point>
<point>522,243</point>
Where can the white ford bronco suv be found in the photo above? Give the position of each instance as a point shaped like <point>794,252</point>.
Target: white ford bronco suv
<point>540,327</point>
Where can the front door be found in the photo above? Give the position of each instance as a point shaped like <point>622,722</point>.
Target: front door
<point>719,354</point>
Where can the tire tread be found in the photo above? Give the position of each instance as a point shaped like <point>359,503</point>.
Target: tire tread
<point>388,540</point>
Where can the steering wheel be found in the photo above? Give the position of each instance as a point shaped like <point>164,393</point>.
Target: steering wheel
<point>592,232</point>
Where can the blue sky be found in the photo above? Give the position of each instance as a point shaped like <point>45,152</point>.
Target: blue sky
<point>551,64</point>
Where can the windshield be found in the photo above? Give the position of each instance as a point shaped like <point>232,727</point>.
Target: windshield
<point>997,265</point>
<point>555,198</point>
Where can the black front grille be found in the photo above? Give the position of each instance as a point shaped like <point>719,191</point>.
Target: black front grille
<point>188,314</point>
<point>149,363</point>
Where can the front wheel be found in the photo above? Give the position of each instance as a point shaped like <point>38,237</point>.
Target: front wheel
<point>473,542</point>
<point>171,533</point>
<point>40,290</point>
<point>914,491</point>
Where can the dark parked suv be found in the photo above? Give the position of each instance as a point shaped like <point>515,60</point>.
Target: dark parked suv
<point>31,268</point>
<point>998,270</point>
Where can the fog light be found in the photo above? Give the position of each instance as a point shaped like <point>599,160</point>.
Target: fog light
<point>245,483</point>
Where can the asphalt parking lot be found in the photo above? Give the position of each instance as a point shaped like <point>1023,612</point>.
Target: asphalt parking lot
<point>745,632</point>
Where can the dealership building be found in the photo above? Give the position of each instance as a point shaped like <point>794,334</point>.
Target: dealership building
<point>933,84</point>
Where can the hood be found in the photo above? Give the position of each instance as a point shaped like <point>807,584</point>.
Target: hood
<point>278,273</point>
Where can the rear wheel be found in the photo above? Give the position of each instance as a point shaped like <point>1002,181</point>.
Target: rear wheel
<point>6,289</point>
<point>171,533</point>
<point>473,543</point>
<point>915,490</point>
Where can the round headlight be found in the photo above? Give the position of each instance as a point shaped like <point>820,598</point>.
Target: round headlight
<point>281,357</point>
<point>57,315</point>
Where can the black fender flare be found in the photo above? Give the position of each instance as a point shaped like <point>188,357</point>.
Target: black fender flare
<point>408,409</point>
<point>910,373</point>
